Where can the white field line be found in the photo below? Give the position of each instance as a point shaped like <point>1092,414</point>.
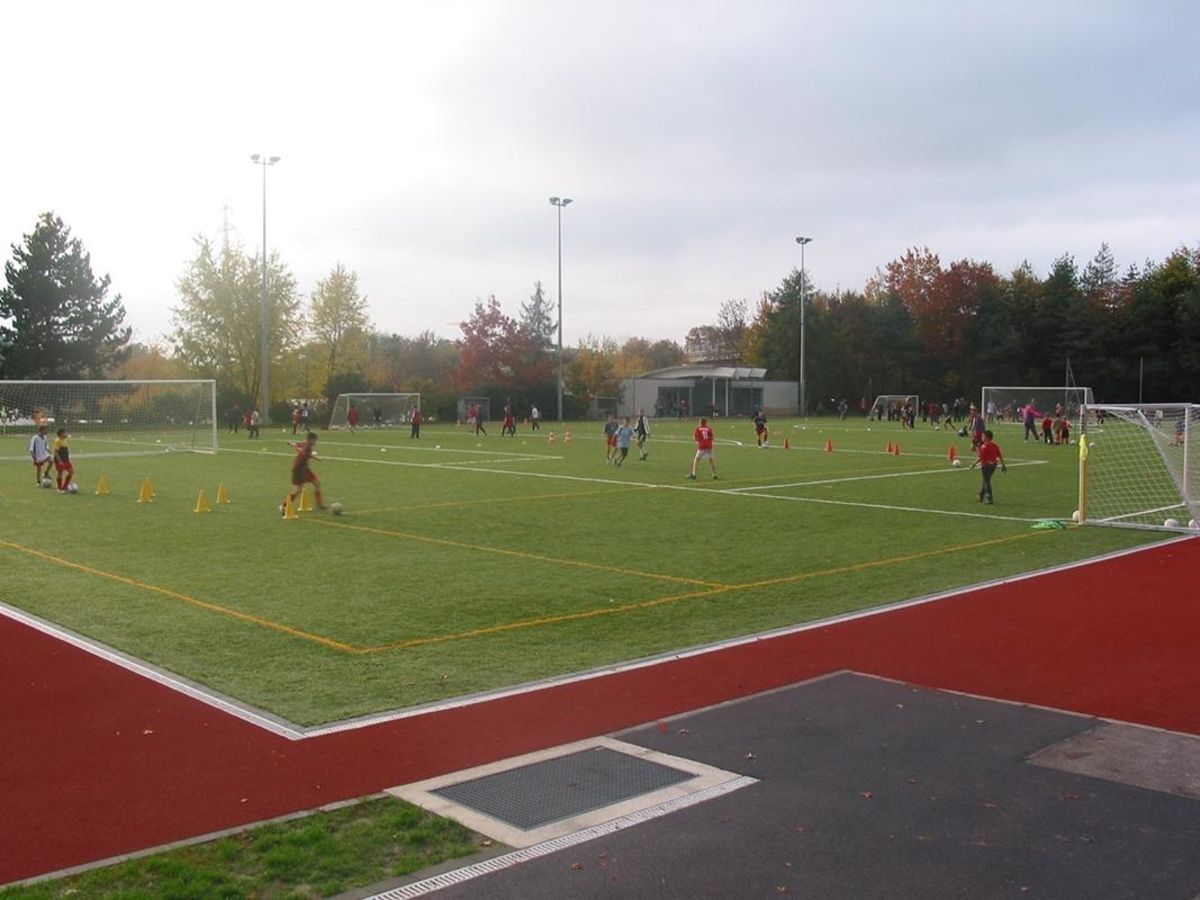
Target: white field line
<point>940,471</point>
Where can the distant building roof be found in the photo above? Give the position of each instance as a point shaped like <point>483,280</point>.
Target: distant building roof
<point>737,373</point>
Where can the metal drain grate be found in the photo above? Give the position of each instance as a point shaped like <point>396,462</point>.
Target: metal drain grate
<point>563,787</point>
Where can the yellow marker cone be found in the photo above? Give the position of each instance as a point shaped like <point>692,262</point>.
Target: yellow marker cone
<point>567,437</point>
<point>101,487</point>
<point>146,492</point>
<point>202,503</point>
<point>305,503</point>
<point>551,439</point>
<point>222,494</point>
<point>289,511</point>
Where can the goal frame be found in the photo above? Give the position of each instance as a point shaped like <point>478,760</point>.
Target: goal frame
<point>1082,398</point>
<point>365,398</point>
<point>888,399</point>
<point>1182,472</point>
<point>204,406</point>
<point>463,408</point>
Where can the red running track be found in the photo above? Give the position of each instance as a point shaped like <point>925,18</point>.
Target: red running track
<point>96,761</point>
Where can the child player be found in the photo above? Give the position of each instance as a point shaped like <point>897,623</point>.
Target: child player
<point>641,431</point>
<point>988,458</point>
<point>610,438</point>
<point>302,472</point>
<point>63,469</point>
<point>703,436</point>
<point>624,439</point>
<point>39,450</point>
<point>760,428</point>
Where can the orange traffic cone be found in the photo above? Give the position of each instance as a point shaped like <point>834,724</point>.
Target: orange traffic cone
<point>787,445</point>
<point>828,445</point>
<point>952,454</point>
<point>888,448</point>
<point>895,449</point>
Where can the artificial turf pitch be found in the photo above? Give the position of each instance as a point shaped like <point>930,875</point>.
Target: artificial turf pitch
<point>466,564</point>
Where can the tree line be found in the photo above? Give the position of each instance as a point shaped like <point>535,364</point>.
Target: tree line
<point>918,326</point>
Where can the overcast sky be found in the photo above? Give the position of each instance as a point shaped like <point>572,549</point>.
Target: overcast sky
<point>420,143</point>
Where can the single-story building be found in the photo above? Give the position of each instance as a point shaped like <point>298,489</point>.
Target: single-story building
<point>707,389</point>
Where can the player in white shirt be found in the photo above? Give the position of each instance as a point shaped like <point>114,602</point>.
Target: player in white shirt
<point>39,452</point>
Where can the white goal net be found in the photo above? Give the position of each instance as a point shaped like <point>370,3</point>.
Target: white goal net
<point>892,407</point>
<point>373,410</point>
<point>1001,405</point>
<point>481,405</point>
<point>112,417</point>
<point>1139,466</point>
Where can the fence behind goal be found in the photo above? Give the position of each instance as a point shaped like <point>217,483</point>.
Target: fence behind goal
<point>1139,468</point>
<point>126,417</point>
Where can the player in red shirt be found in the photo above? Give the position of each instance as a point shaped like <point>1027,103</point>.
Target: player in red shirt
<point>989,457</point>
<point>352,417</point>
<point>703,436</point>
<point>302,472</point>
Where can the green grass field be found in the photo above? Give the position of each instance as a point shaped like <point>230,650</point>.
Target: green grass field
<point>467,564</point>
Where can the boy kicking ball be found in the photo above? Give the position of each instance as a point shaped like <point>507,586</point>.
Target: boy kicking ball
<point>302,472</point>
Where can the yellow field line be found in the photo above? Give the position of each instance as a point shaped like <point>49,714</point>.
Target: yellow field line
<point>185,598</point>
<point>519,554</point>
<point>691,595</point>
<point>524,498</point>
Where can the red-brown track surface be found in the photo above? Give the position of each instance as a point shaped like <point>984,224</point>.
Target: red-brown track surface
<point>97,761</point>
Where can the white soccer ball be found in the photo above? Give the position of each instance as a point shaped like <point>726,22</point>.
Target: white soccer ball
<point>1170,523</point>
<point>73,488</point>
<point>1075,517</point>
<point>46,482</point>
<point>383,449</point>
<point>336,508</point>
<point>957,463</point>
<point>1192,524</point>
<point>437,446</point>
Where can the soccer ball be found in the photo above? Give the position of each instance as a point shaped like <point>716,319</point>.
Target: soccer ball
<point>336,508</point>
<point>1193,524</point>
<point>1075,517</point>
<point>72,488</point>
<point>1171,523</point>
<point>46,482</point>
<point>957,463</point>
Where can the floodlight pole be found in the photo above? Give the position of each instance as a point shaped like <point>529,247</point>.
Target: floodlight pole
<point>560,202</point>
<point>264,388</point>
<point>803,242</point>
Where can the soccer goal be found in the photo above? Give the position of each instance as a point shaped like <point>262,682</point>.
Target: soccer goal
<point>1138,466</point>
<point>483,409</point>
<point>890,407</point>
<point>116,417</point>
<point>1007,404</point>
<point>373,410</point>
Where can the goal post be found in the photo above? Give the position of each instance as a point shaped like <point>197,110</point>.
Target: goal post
<point>373,410</point>
<point>889,407</point>
<point>1138,465</point>
<point>116,416</point>
<point>483,409</point>
<point>1005,404</point>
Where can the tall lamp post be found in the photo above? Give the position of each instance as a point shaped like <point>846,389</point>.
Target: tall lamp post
<point>803,242</point>
<point>560,202</point>
<point>264,390</point>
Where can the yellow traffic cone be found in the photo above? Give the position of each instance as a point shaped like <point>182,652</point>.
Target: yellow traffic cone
<point>101,487</point>
<point>305,503</point>
<point>202,503</point>
<point>146,492</point>
<point>567,437</point>
<point>222,494</point>
<point>551,439</point>
<point>289,511</point>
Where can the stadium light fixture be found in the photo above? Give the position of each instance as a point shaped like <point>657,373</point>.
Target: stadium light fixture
<point>264,388</point>
<point>560,202</point>
<point>803,242</point>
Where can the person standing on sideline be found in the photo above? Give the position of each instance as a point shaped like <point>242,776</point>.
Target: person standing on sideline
<point>641,431</point>
<point>478,417</point>
<point>989,456</point>
<point>255,423</point>
<point>1029,415</point>
<point>416,424</point>
<point>352,418</point>
<point>535,419</point>
<point>39,449</point>
<point>703,436</point>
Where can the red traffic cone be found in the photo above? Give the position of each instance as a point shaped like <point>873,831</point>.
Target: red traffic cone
<point>888,449</point>
<point>952,454</point>
<point>828,445</point>
<point>787,445</point>
<point>895,449</point>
